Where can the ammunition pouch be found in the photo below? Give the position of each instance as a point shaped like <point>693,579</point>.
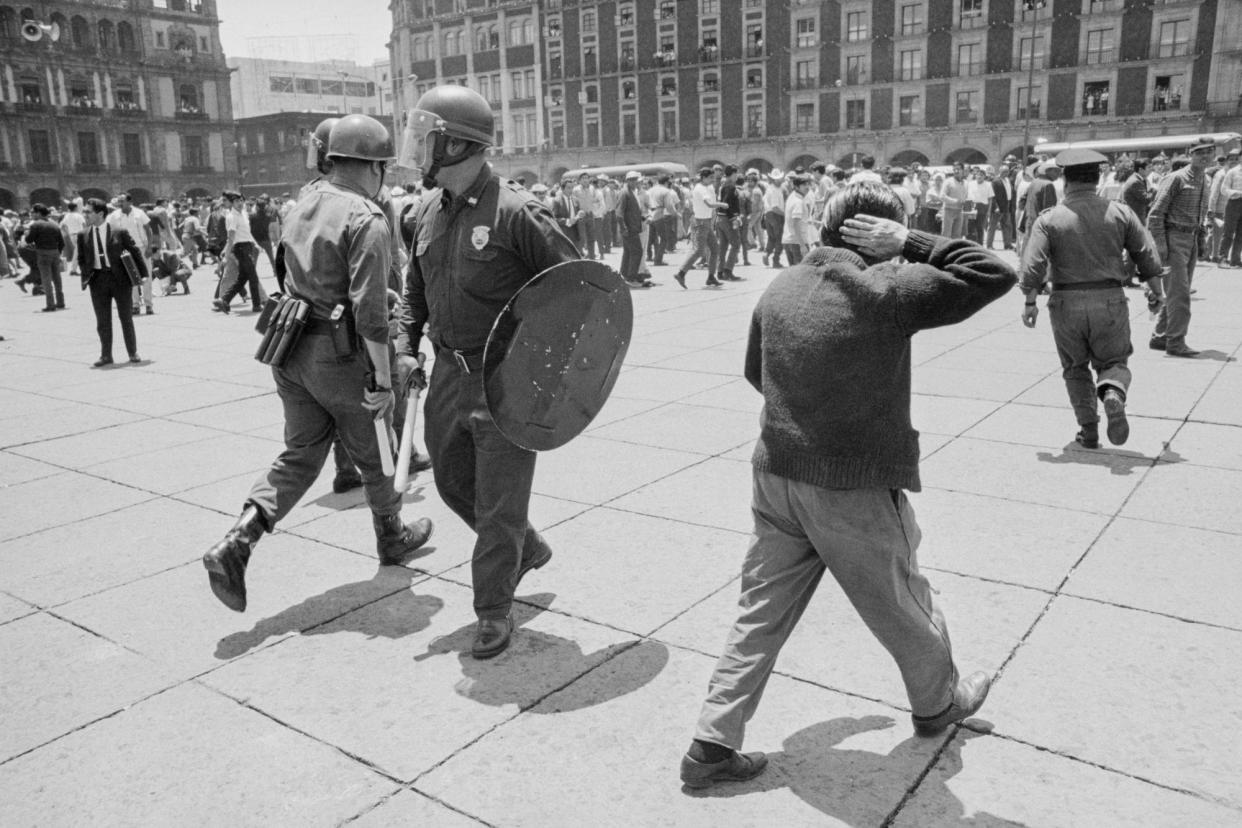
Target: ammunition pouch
<point>281,322</point>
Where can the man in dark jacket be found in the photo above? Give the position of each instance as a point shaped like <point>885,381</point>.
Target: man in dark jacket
<point>45,237</point>
<point>829,350</point>
<point>100,249</point>
<point>630,213</point>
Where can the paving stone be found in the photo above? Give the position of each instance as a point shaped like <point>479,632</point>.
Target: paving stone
<point>13,608</point>
<point>292,584</point>
<point>61,498</point>
<point>191,465</point>
<point>1002,540</point>
<point>15,469</point>
<point>227,496</point>
<point>187,757</point>
<point>684,428</point>
<point>264,409</point>
<point>394,683</point>
<point>1152,697</point>
<point>1176,570</point>
<point>1091,481</point>
<point>973,784</point>
<point>632,571</point>
<point>664,385</point>
<point>76,559</point>
<point>409,807</point>
<point>832,647</point>
<point>738,395</point>
<point>726,361</point>
<point>114,442</point>
<point>643,352</point>
<point>16,403</point>
<point>593,470</point>
<point>1188,496</point>
<point>947,415</point>
<point>974,357</point>
<point>960,382</point>
<point>1030,425</point>
<point>834,760</point>
<point>69,418</point>
<point>694,338</point>
<point>58,678</point>
<point>713,493</point>
<point>1203,444</point>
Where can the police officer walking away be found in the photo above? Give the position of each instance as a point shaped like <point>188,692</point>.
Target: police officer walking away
<point>1078,246</point>
<point>337,249</point>
<point>1175,221</point>
<point>477,240</point>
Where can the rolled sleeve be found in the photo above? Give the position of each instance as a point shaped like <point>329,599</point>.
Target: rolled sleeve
<point>370,257</point>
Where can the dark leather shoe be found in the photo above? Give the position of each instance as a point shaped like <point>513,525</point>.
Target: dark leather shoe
<point>681,279</point>
<point>1118,425</point>
<point>150,311</point>
<point>1088,437</point>
<point>737,768</point>
<point>968,697</point>
<point>419,462</point>
<point>539,554</point>
<point>492,636</point>
<point>1181,351</point>
<point>1157,343</point>
<point>134,358</point>
<point>712,281</point>
<point>102,361</point>
<point>345,480</point>
<point>226,561</point>
<point>394,541</point>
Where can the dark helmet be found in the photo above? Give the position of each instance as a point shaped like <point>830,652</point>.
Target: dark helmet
<point>317,145</point>
<point>459,112</point>
<point>360,136</point>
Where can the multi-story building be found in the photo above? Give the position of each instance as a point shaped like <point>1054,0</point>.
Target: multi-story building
<point>264,86</point>
<point>786,82</point>
<point>99,97</point>
<point>271,151</point>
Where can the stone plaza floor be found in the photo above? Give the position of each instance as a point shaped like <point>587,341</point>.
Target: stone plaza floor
<point>1099,586</point>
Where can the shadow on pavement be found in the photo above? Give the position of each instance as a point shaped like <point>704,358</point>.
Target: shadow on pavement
<point>405,614</point>
<point>502,681</point>
<point>850,785</point>
<point>1218,356</point>
<point>1118,461</point>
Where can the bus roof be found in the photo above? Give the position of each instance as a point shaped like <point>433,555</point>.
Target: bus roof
<point>1157,143</point>
<point>651,170</point>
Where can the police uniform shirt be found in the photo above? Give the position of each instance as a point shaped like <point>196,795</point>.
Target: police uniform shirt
<point>472,252</point>
<point>338,251</point>
<point>1082,239</point>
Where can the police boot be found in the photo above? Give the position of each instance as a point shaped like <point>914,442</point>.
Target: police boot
<point>395,540</point>
<point>226,561</point>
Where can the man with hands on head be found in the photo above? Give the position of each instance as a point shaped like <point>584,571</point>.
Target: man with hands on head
<point>829,349</point>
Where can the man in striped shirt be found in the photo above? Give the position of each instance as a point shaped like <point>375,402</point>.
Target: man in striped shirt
<point>1175,221</point>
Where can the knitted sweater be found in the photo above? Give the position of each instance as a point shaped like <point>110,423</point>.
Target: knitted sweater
<point>829,350</point>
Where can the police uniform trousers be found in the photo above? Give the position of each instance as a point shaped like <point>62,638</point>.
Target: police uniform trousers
<point>322,395</point>
<point>1174,319</point>
<point>867,539</point>
<point>1091,329</point>
<point>483,477</point>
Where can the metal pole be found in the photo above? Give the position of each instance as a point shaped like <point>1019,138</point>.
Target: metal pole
<point>1030,78</point>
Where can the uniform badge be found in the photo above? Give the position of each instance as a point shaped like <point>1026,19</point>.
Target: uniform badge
<point>479,236</point>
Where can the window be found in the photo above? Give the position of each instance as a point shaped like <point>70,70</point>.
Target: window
<point>131,149</point>
<point>192,155</point>
<point>1031,49</point>
<point>754,40</point>
<point>81,32</point>
<point>336,88</point>
<point>1174,38</point>
<point>125,37</point>
<point>558,135</point>
<point>668,125</point>
<point>668,87</point>
<point>911,66</point>
<point>629,128</point>
<point>711,122</point>
<point>516,87</point>
<point>627,54</point>
<point>554,65</point>
<point>710,46</point>
<point>856,26</point>
<point>554,28</point>
<point>592,132</point>
<point>1037,96</point>
<point>907,110</point>
<point>588,25</point>
<point>531,89</point>
<point>592,93</point>
<point>159,40</point>
<point>40,148</point>
<point>709,7</point>
<point>804,74</point>
<point>1168,92</point>
<point>515,39</point>
<point>123,94</point>
<point>668,10</point>
<point>627,90</point>
<point>754,77</point>
<point>519,131</point>
<point>711,83</point>
<point>1095,98</point>
<point>31,92</point>
<point>107,35</point>
<point>1100,46</point>
<point>856,114</point>
<point>969,59</point>
<point>307,85</point>
<point>805,28</point>
<point>88,149</point>
<point>856,69</point>
<point>754,120</point>
<point>912,19</point>
<point>971,15</point>
<point>589,63</point>
<point>804,117</point>
<point>967,107</point>
<point>625,17</point>
<point>450,43</point>
<point>204,45</point>
<point>667,54</point>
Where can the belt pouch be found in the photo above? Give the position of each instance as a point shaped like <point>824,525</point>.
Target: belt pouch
<point>275,326</point>
<point>291,331</point>
<point>344,336</point>
<point>269,310</point>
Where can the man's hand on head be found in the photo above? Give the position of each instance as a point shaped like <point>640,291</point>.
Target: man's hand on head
<point>876,238</point>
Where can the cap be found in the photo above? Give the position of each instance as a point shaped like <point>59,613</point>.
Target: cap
<point>633,175</point>
<point>776,174</point>
<point>1075,157</point>
<point>752,171</point>
<point>1201,143</point>
<point>538,188</point>
<point>1044,166</point>
<point>231,195</point>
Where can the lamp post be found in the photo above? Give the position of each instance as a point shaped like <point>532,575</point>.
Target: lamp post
<point>1031,6</point>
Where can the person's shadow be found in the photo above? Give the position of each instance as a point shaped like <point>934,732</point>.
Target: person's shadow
<point>537,656</point>
<point>859,787</point>
<point>357,497</point>
<point>1119,462</point>
<point>405,613</point>
<point>1215,355</point>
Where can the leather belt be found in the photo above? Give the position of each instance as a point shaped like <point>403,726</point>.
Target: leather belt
<point>1103,284</point>
<point>321,327</point>
<point>467,361</point>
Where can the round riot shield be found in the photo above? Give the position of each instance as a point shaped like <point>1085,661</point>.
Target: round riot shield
<point>555,351</point>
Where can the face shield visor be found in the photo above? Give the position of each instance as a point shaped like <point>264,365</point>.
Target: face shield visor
<point>418,139</point>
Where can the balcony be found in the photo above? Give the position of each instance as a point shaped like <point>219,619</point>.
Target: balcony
<point>33,107</point>
<point>806,83</point>
<point>128,111</point>
<point>190,115</point>
<point>708,52</point>
<point>968,70</point>
<point>666,58</point>
<point>1163,101</point>
<point>754,50</point>
<point>84,106</point>
<point>1225,109</point>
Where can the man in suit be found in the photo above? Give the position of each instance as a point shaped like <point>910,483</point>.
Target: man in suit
<point>564,210</point>
<point>1001,213</point>
<point>630,213</point>
<point>99,259</point>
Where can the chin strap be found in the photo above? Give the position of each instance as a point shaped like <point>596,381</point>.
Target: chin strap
<point>440,159</point>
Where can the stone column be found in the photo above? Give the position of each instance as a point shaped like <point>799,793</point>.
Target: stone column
<point>99,97</point>
<point>64,92</point>
<point>109,100</point>
<point>142,92</point>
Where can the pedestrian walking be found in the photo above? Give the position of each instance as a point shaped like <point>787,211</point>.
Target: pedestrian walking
<point>100,248</point>
<point>703,237</point>
<point>45,237</point>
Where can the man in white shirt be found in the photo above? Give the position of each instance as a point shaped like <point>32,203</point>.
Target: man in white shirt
<point>979,194</point>
<point>71,226</point>
<point>129,218</point>
<point>704,203</point>
<point>799,233</point>
<point>866,175</point>
<point>585,199</point>
<point>241,245</point>
<point>774,218</point>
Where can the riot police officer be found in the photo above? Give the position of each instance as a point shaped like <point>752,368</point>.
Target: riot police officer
<point>337,246</point>
<point>477,239</point>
